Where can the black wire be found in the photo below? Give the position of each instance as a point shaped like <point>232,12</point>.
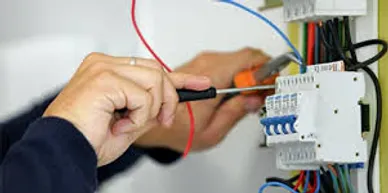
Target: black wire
<point>348,40</point>
<point>327,181</point>
<point>353,64</point>
<point>376,135</point>
<point>379,99</point>
<point>373,59</point>
<point>287,182</point>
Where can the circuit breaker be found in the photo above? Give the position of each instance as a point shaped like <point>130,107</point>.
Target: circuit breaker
<point>314,119</point>
<point>311,10</point>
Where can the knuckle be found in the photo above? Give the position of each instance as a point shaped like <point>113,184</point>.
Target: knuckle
<point>248,50</point>
<point>104,75</point>
<point>96,67</point>
<point>94,56</point>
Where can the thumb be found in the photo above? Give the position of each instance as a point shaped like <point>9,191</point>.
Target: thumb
<point>228,115</point>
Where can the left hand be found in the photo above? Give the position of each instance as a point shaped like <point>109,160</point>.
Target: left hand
<point>212,120</point>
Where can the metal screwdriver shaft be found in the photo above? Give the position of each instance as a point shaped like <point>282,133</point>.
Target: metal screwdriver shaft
<point>237,90</point>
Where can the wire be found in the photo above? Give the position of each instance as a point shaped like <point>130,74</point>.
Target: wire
<point>284,181</point>
<point>317,51</point>
<point>318,181</point>
<point>305,37</point>
<point>327,183</point>
<point>189,109</point>
<point>272,25</point>
<point>341,178</point>
<point>310,44</point>
<point>347,175</point>
<point>334,175</point>
<point>307,181</point>
<point>300,180</point>
<point>379,113</point>
<point>276,184</point>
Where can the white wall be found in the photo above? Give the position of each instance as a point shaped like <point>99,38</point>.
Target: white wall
<point>178,30</point>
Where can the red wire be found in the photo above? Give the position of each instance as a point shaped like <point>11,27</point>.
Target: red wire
<point>312,190</point>
<point>191,115</point>
<point>300,180</point>
<point>310,43</point>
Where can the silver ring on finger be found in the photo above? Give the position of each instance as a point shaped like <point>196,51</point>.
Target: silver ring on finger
<point>132,61</point>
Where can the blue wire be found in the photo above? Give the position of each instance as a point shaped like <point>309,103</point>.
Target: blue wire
<point>279,31</point>
<point>318,174</point>
<point>347,174</point>
<point>307,181</point>
<point>335,182</point>
<point>276,184</point>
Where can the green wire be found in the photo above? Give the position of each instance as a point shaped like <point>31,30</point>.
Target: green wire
<point>341,179</point>
<point>305,37</point>
<point>347,175</point>
<point>335,181</point>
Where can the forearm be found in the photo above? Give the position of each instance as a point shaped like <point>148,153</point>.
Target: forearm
<point>12,130</point>
<point>53,156</point>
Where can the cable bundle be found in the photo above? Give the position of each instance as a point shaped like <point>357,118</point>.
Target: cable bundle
<point>340,46</point>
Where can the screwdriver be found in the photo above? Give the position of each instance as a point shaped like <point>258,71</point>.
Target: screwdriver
<point>185,95</point>
<point>212,92</point>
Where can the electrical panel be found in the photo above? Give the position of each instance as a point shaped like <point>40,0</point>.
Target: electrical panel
<point>312,10</point>
<point>314,119</point>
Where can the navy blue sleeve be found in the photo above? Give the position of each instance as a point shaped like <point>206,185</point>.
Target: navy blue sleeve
<point>12,130</point>
<point>52,156</point>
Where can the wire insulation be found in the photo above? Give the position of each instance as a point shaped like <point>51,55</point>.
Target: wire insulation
<point>189,109</point>
<point>307,181</point>
<point>333,175</point>
<point>276,184</point>
<point>347,175</point>
<point>273,26</point>
<point>310,43</point>
<point>318,181</point>
<point>341,177</point>
<point>300,180</point>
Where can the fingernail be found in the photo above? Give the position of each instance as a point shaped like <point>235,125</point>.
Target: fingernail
<point>252,104</point>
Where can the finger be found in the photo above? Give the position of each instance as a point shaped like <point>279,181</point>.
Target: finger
<point>124,93</point>
<point>121,66</point>
<point>103,58</point>
<point>178,81</point>
<point>188,81</point>
<point>149,79</point>
<point>227,116</point>
<point>248,58</point>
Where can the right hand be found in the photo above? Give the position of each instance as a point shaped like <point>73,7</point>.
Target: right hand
<point>104,84</point>
<point>213,121</point>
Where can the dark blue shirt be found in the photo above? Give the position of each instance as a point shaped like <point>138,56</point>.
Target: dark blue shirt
<point>46,155</point>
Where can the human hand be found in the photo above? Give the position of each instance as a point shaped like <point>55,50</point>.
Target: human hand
<point>213,120</point>
<point>104,84</point>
